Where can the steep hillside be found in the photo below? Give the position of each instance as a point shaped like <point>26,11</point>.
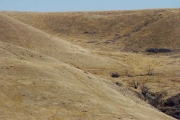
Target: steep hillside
<point>16,33</point>
<point>108,34</point>
<point>37,83</point>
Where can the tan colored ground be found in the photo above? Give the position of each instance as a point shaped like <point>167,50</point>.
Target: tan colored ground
<point>49,70</point>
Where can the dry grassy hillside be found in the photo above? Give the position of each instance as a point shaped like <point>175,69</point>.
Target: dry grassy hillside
<point>115,31</point>
<point>47,73</point>
<point>108,33</point>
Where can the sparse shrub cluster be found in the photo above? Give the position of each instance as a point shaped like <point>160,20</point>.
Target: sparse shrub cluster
<point>154,98</point>
<point>173,101</point>
<point>157,99</point>
<point>144,90</point>
<point>170,106</point>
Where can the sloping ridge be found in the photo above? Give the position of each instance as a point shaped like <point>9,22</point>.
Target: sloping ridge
<point>111,30</point>
<point>36,83</point>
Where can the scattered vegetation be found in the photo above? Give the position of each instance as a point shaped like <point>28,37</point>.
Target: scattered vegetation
<point>170,106</point>
<point>158,50</point>
<point>157,99</point>
<point>92,41</point>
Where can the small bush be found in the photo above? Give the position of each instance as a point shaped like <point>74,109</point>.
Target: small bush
<point>144,90</point>
<point>158,50</point>
<point>115,75</point>
<point>135,84</point>
<point>118,84</point>
<point>86,32</point>
<point>173,101</point>
<point>150,71</point>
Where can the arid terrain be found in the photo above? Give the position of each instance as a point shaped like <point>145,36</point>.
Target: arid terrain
<point>84,65</point>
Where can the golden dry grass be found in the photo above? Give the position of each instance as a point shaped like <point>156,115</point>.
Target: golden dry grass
<point>57,65</point>
<point>114,31</point>
<point>109,33</point>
